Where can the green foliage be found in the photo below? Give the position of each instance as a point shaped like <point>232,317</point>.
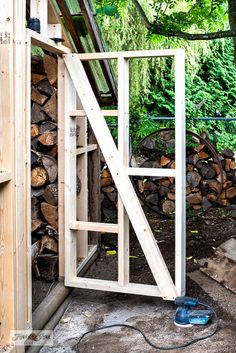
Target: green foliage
<point>210,70</point>
<point>174,15</point>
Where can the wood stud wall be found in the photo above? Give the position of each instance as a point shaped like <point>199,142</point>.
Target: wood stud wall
<point>15,263</point>
<point>15,232</point>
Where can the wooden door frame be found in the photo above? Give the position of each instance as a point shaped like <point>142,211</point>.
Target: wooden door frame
<point>75,80</point>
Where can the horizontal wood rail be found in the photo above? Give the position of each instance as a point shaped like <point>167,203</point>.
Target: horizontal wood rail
<point>4,177</point>
<point>85,149</point>
<point>46,43</point>
<point>112,286</point>
<point>95,227</point>
<point>81,113</point>
<point>129,54</point>
<point>158,172</point>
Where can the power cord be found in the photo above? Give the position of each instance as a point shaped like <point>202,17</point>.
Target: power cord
<point>167,348</point>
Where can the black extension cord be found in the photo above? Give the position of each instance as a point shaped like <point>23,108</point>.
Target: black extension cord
<point>161,348</point>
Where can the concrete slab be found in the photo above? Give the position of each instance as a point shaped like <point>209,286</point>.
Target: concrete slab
<point>90,309</point>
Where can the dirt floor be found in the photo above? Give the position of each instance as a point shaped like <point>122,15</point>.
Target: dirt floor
<point>204,233</point>
<point>90,309</point>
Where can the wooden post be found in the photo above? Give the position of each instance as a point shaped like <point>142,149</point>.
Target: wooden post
<point>7,285</point>
<point>123,147</point>
<point>39,9</point>
<point>15,237</point>
<point>61,165</point>
<point>180,193</point>
<point>82,197</point>
<point>71,236</point>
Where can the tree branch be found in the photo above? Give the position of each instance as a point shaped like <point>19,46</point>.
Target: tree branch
<point>193,36</point>
<point>157,29</point>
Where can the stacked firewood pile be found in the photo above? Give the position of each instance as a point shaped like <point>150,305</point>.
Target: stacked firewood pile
<point>44,170</point>
<point>210,176</point>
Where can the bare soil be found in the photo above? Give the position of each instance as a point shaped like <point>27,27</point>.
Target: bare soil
<point>205,232</point>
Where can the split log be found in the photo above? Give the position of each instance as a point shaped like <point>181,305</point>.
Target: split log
<point>232,165</point>
<point>50,214</point>
<point>49,243</point>
<point>153,199</point>
<point>227,184</point>
<point>220,179</point>
<point>172,165</point>
<point>106,181</point>
<point>48,138</point>
<point>216,167</point>
<point>212,196</point>
<point>37,97</point>
<point>105,174</point>
<point>151,164</point>
<point>50,66</point>
<point>196,207</point>
<point>50,194</point>
<point>50,165</point>
<point>193,159</point>
<point>52,151</point>
<point>108,189</point>
<point>47,126</point>
<point>193,178</point>
<point>39,177</point>
<point>34,130</point>
<point>205,203</point>
<point>37,192</point>
<point>163,190</point>
<point>149,144</point>
<point>224,202</point>
<point>171,196</point>
<point>194,199</point>
<point>112,197</point>
<point>213,184</point>
<point>164,161</point>
<point>232,176</point>
<point>35,157</point>
<point>35,224</point>
<point>203,155</point>
<point>50,108</point>
<point>35,250</point>
<point>230,193</point>
<point>146,186</point>
<point>164,182</point>
<point>34,144</point>
<point>35,78</point>
<point>37,114</point>
<point>190,167</point>
<point>166,135</point>
<point>223,195</point>
<point>227,164</point>
<point>168,206</point>
<point>227,153</point>
<point>207,171</point>
<point>35,208</point>
<point>45,87</point>
<point>188,190</point>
